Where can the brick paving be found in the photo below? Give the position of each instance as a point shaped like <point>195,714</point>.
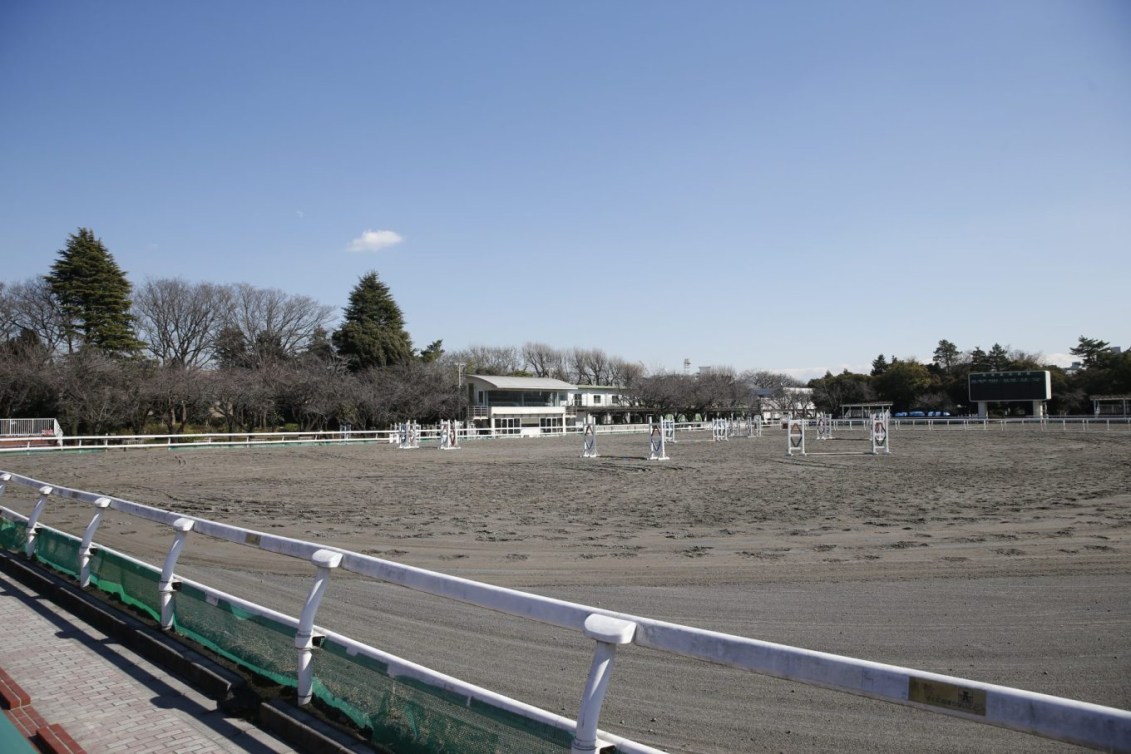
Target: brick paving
<point>107,698</point>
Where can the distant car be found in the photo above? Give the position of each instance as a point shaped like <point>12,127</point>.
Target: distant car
<point>916,413</point>
<point>900,414</point>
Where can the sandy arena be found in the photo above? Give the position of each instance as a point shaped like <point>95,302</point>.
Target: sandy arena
<point>1001,556</point>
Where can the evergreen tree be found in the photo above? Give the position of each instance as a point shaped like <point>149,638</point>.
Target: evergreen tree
<point>946,356</point>
<point>433,352</point>
<point>94,295</point>
<point>373,334</point>
<point>979,361</point>
<point>998,358</point>
<point>1093,351</point>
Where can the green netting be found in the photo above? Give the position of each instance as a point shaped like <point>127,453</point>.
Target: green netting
<point>13,534</point>
<point>260,644</point>
<point>133,583</point>
<point>58,550</point>
<point>415,718</point>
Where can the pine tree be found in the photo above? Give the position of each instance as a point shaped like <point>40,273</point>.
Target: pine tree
<point>373,333</point>
<point>94,296</point>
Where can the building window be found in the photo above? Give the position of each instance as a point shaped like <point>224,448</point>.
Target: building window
<point>596,400</point>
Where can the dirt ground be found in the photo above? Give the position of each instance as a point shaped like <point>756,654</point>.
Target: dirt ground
<point>1001,556</point>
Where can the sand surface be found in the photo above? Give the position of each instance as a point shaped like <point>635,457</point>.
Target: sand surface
<point>1001,556</point>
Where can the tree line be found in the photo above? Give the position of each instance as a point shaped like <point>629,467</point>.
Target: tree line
<point>82,344</point>
<point>942,384</point>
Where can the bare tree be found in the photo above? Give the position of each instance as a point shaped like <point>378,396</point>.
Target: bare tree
<point>666,392</point>
<point>7,324</point>
<point>776,391</point>
<point>243,398</point>
<point>625,373</point>
<point>272,322</point>
<point>179,396</point>
<point>179,321</point>
<point>31,308</point>
<point>494,360</point>
<point>95,393</point>
<point>26,387</point>
<point>542,360</point>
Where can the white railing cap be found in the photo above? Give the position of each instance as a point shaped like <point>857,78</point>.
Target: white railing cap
<point>326,559</point>
<point>102,502</point>
<point>609,630</point>
<point>183,524</point>
<point>46,489</point>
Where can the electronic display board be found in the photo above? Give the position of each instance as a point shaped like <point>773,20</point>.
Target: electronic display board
<point>1010,386</point>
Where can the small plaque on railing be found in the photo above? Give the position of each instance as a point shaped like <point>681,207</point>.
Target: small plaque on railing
<point>947,696</point>
<point>252,539</point>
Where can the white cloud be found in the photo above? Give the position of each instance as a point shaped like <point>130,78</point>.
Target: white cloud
<point>375,240</point>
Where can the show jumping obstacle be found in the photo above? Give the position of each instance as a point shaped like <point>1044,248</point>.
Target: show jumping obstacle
<point>720,430</point>
<point>879,438</point>
<point>449,435</point>
<point>656,447</point>
<point>589,442</point>
<point>408,435</point>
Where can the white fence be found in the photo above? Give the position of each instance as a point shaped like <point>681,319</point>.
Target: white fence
<point>28,433</point>
<point>1048,716</point>
<point>432,434</point>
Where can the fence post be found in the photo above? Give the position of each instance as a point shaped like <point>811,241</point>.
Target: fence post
<point>4,479</point>
<point>33,519</point>
<point>85,549</point>
<point>182,526</point>
<point>608,633</point>
<point>304,636</point>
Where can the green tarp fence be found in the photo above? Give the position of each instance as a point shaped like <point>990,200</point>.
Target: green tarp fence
<point>410,716</point>
<point>13,534</point>
<point>256,642</point>
<point>134,583</point>
<point>406,714</point>
<point>58,550</point>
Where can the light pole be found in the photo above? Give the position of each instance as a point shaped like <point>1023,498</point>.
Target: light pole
<point>459,388</point>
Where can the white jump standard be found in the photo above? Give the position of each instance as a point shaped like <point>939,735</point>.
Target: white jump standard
<point>824,427</point>
<point>795,437</point>
<point>720,430</point>
<point>409,435</point>
<point>589,442</point>
<point>449,435</point>
<point>657,451</point>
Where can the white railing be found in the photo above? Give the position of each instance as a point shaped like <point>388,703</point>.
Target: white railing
<point>432,434</point>
<point>1047,716</point>
<point>31,432</point>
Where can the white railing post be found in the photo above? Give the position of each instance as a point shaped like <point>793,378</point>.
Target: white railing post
<point>325,560</point>
<point>182,526</point>
<point>86,550</point>
<point>33,519</point>
<point>608,633</point>
<point>4,479</point>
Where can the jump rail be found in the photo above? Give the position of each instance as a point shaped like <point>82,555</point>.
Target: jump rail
<point>1039,714</point>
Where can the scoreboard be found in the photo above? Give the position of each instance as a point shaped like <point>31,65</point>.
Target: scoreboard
<point>1010,386</point>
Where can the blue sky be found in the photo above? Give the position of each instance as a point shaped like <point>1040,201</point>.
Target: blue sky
<point>763,185</point>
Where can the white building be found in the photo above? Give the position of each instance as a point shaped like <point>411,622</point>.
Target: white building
<point>538,405</point>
